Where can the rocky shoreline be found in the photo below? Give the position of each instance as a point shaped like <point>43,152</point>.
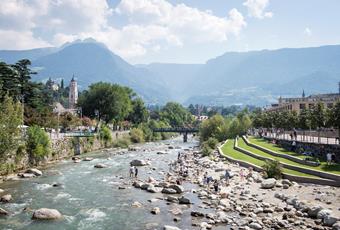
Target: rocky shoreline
<point>249,203</point>
<point>245,203</point>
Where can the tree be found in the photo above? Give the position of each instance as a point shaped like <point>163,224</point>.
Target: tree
<point>110,100</point>
<point>38,144</point>
<point>10,121</point>
<point>139,113</point>
<point>213,127</point>
<point>335,117</point>
<point>176,115</point>
<point>62,84</point>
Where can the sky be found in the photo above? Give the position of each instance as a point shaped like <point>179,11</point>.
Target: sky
<point>172,31</point>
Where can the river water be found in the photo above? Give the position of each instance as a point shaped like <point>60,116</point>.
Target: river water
<point>89,198</point>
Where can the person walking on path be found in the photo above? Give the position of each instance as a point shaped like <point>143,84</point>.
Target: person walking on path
<point>242,174</point>
<point>227,177</point>
<point>216,186</point>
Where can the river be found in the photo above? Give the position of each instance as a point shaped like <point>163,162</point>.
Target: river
<point>89,198</point>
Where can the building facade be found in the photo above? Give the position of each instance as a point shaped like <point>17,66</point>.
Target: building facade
<point>73,94</point>
<point>298,104</point>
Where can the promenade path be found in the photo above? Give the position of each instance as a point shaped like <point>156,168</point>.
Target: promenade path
<point>307,139</point>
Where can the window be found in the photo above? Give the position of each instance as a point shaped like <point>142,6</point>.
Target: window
<point>302,106</point>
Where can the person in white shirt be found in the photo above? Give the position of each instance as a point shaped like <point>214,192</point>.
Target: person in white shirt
<point>329,158</point>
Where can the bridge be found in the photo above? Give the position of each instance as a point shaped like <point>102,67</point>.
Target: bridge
<point>182,130</point>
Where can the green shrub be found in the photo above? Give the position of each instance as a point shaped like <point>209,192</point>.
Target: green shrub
<point>123,142</point>
<point>105,135</point>
<point>137,135</point>
<point>212,142</point>
<point>272,169</point>
<point>38,143</point>
<point>206,150</point>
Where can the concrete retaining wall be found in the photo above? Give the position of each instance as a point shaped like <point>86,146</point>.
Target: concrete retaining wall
<point>288,166</point>
<point>273,153</point>
<point>298,179</point>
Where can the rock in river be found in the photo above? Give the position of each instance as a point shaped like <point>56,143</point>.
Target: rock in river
<point>168,227</point>
<point>46,214</point>
<point>3,212</point>
<point>184,200</point>
<point>100,166</point>
<point>138,163</point>
<point>178,188</point>
<point>155,211</point>
<point>6,198</point>
<point>34,171</point>
<point>169,191</point>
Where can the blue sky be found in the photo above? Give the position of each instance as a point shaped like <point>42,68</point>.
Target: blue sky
<point>177,31</point>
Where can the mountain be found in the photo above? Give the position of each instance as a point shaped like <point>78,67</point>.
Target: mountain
<point>255,77</point>
<point>270,72</point>
<point>91,62</point>
<point>176,77</point>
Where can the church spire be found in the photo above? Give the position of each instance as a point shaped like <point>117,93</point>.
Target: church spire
<point>303,94</point>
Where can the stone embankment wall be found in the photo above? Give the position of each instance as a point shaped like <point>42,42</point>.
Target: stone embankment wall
<point>60,149</point>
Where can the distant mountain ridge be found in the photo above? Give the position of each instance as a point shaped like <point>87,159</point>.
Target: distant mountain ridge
<point>255,77</point>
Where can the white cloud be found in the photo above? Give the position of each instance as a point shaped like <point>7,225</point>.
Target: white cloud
<point>256,8</point>
<point>18,40</point>
<point>307,31</point>
<point>152,25</point>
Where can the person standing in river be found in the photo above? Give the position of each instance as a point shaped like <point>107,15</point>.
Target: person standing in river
<point>131,171</point>
<point>136,172</point>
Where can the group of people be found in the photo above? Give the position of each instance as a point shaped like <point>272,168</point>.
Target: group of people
<point>133,171</point>
<point>207,179</point>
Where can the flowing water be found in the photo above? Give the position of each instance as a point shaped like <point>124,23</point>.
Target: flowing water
<point>89,198</point>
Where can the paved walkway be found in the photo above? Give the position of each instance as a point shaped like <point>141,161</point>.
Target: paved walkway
<point>309,139</point>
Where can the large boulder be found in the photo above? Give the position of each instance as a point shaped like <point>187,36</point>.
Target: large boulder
<point>153,189</point>
<point>323,213</point>
<point>336,226</point>
<point>46,214</point>
<point>184,200</point>
<point>329,220</point>
<point>155,211</point>
<point>169,191</point>
<point>172,199</point>
<point>88,159</point>
<point>100,166</point>
<point>3,212</point>
<point>254,225</point>
<point>138,163</point>
<point>313,211</point>
<point>177,188</point>
<point>34,171</point>
<point>26,175</point>
<point>6,198</point>
<point>268,183</point>
<point>168,227</point>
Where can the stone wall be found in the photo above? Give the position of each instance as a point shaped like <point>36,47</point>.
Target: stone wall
<point>60,149</point>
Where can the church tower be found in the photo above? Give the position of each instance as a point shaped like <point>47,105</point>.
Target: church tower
<point>73,94</point>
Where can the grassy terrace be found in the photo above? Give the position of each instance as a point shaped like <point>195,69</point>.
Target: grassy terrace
<point>322,167</point>
<point>263,143</point>
<point>228,150</point>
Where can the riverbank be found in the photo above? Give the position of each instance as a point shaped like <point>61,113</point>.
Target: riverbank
<point>107,198</point>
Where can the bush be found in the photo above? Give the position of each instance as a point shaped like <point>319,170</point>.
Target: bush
<point>212,142</point>
<point>38,143</point>
<point>137,135</point>
<point>206,150</point>
<point>105,135</point>
<point>122,142</point>
<point>272,169</point>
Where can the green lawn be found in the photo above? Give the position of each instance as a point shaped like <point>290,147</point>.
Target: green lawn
<point>322,167</point>
<point>264,143</point>
<point>228,150</point>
